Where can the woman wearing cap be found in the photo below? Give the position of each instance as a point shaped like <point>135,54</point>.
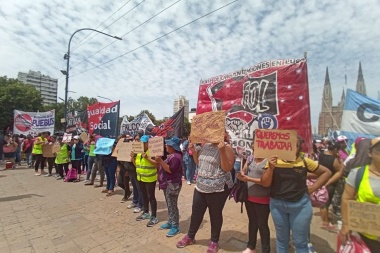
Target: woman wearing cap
<point>170,181</point>
<point>290,203</point>
<point>365,189</point>
<point>62,158</point>
<point>76,156</point>
<point>215,161</point>
<point>146,169</point>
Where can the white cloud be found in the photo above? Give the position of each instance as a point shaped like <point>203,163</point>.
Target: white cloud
<point>336,34</point>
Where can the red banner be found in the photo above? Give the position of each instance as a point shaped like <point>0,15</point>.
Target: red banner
<point>269,95</point>
<point>103,119</point>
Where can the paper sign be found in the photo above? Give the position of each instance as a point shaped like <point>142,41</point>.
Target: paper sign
<point>104,146</point>
<point>114,152</point>
<point>208,127</point>
<point>364,217</point>
<point>269,142</point>
<point>47,150</point>
<point>84,137</point>
<point>56,148</point>
<point>137,147</point>
<point>124,152</point>
<point>156,146</point>
<point>67,137</point>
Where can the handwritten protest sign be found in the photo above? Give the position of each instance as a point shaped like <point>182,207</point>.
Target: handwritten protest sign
<point>114,152</point>
<point>47,150</point>
<point>104,146</point>
<point>208,127</point>
<point>137,147</point>
<point>56,148</point>
<point>84,137</point>
<point>67,137</point>
<point>124,152</point>
<point>269,142</point>
<point>364,217</point>
<point>156,146</point>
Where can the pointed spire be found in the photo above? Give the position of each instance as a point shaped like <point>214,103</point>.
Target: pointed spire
<point>327,94</point>
<point>343,95</point>
<point>327,78</point>
<point>360,85</point>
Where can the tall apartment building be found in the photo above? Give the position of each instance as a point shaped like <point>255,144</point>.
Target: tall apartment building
<point>179,103</point>
<point>46,85</point>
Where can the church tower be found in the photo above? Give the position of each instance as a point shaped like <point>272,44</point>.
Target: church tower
<point>360,85</point>
<point>327,94</point>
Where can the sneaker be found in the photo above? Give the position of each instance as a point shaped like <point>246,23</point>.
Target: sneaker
<point>37,174</point>
<point>172,232</point>
<point>143,216</point>
<point>60,178</point>
<point>166,226</point>
<point>47,175</point>
<point>185,241</point>
<point>123,200</point>
<point>311,248</point>
<point>137,210</point>
<point>188,182</point>
<point>213,247</point>
<point>153,221</point>
<point>132,205</point>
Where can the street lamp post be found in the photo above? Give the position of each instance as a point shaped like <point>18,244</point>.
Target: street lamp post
<point>67,57</point>
<point>105,98</point>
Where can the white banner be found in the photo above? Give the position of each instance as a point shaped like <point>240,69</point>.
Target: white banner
<point>33,122</point>
<point>139,123</point>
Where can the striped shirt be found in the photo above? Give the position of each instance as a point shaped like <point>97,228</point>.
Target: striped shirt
<point>211,177</point>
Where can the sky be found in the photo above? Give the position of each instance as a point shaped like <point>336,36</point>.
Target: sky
<point>147,72</point>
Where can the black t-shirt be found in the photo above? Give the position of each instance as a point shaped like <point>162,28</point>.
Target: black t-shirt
<point>327,161</point>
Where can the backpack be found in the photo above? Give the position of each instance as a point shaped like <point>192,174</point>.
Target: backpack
<point>239,193</point>
<point>72,175</point>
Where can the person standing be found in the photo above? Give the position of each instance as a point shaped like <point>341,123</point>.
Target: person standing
<point>37,152</point>
<point>98,166</point>
<point>215,162</point>
<point>188,162</point>
<point>170,181</point>
<point>76,156</point>
<point>62,158</point>
<point>90,147</point>
<point>17,140</point>
<point>50,158</point>
<point>257,203</point>
<point>27,146</point>
<point>9,149</point>
<point>146,169</point>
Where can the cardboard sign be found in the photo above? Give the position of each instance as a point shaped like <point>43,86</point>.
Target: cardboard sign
<point>137,147</point>
<point>56,148</point>
<point>84,137</point>
<point>67,137</point>
<point>269,142</point>
<point>114,152</point>
<point>208,127</point>
<point>124,152</point>
<point>47,150</point>
<point>156,146</point>
<point>364,217</point>
<point>104,146</point>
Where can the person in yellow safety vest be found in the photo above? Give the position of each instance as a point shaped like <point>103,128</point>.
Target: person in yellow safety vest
<point>63,157</point>
<point>37,152</point>
<point>146,169</point>
<point>365,188</point>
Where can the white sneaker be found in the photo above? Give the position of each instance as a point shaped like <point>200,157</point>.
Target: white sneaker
<point>188,182</point>
<point>37,174</point>
<point>137,210</point>
<point>47,175</point>
<point>131,206</point>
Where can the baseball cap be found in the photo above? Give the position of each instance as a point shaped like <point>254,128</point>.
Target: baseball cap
<point>374,142</point>
<point>341,138</point>
<point>174,142</point>
<point>76,137</point>
<point>144,138</point>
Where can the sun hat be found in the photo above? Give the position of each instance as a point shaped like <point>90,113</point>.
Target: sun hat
<point>174,142</point>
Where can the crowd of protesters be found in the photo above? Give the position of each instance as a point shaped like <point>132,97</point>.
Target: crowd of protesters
<point>275,186</point>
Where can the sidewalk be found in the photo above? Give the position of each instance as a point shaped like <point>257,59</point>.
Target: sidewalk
<point>40,214</point>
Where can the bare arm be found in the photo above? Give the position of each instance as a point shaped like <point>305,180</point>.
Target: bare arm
<point>227,157</point>
<point>266,178</point>
<point>348,194</point>
<point>323,174</point>
<point>164,165</point>
<point>338,166</point>
<point>195,152</point>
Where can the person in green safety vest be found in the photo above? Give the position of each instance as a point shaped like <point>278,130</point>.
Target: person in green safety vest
<point>37,152</point>
<point>146,169</point>
<point>62,158</point>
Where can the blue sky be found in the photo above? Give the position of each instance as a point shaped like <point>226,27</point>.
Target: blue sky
<point>337,34</point>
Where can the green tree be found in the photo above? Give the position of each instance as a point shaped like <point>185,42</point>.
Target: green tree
<point>14,95</point>
<point>80,104</point>
<point>59,112</point>
<point>186,127</point>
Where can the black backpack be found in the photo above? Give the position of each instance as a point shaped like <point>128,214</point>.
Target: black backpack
<point>239,193</point>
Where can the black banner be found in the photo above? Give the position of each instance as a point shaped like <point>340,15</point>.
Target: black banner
<point>77,122</point>
<point>172,127</point>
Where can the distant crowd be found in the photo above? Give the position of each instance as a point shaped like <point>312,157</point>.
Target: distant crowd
<point>327,176</point>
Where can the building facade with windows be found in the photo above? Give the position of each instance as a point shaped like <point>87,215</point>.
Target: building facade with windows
<point>179,103</point>
<point>46,85</point>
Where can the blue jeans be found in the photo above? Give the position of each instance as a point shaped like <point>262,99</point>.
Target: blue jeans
<point>110,169</point>
<point>190,169</point>
<point>295,216</point>
<point>137,196</point>
<point>29,159</point>
<point>90,163</point>
<point>18,155</point>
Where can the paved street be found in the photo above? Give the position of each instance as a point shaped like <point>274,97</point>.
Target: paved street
<point>40,214</point>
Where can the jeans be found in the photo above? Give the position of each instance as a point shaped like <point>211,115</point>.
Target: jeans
<point>258,215</point>
<point>97,166</point>
<point>110,170</point>
<point>40,161</point>
<point>61,167</point>
<point>51,162</point>
<point>137,194</point>
<point>123,181</point>
<point>148,194</point>
<point>90,164</point>
<point>295,216</point>
<point>190,169</point>
<point>215,203</point>
<point>171,194</point>
<point>29,158</point>
<point>18,155</point>
<point>85,163</point>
